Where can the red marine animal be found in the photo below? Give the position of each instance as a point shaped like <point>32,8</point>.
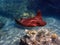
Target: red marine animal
<point>32,22</point>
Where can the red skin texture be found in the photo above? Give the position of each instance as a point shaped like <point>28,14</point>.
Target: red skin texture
<point>32,22</point>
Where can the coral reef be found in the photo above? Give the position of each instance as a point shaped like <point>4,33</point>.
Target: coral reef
<point>40,37</point>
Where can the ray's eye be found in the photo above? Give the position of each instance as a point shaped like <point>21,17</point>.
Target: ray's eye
<point>33,33</point>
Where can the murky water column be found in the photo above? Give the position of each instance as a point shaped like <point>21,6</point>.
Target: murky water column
<point>10,33</point>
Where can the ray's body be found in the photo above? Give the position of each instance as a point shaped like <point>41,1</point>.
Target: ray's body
<point>32,22</point>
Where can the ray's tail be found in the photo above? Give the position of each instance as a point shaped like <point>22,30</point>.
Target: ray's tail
<point>39,15</point>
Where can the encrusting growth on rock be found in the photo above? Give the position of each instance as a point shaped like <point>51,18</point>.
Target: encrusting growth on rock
<point>40,37</point>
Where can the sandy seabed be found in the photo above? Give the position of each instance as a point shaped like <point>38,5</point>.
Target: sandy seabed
<point>11,33</point>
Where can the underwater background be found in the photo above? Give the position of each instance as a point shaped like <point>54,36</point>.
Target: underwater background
<point>10,32</point>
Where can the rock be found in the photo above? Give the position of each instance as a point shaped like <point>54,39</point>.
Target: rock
<point>57,41</point>
<point>40,39</point>
<point>22,43</point>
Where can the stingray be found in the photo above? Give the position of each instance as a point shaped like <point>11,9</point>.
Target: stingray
<point>32,22</point>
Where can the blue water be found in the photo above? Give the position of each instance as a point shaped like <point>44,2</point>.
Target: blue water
<point>10,31</point>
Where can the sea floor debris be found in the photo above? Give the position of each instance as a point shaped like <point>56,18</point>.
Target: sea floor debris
<point>40,37</point>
